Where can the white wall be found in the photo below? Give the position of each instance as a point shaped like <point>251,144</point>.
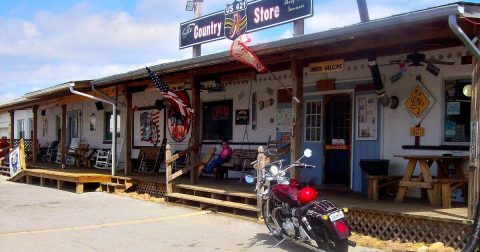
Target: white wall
<point>5,125</point>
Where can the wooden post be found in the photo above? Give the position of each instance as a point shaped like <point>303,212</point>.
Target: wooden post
<point>64,135</point>
<point>296,140</point>
<point>35,134</point>
<point>128,131</point>
<point>12,128</point>
<point>261,162</point>
<point>23,162</point>
<point>474,178</point>
<point>168,169</point>
<point>196,126</point>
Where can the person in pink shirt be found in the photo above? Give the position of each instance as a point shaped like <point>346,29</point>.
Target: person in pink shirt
<point>224,156</point>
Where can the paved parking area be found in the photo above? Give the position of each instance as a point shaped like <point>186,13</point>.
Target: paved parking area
<point>34,218</point>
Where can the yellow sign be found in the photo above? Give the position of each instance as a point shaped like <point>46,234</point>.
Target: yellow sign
<point>417,131</point>
<point>418,102</point>
<point>326,66</point>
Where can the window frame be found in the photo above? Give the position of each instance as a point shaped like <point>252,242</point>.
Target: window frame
<point>444,111</point>
<point>316,114</point>
<point>106,126</point>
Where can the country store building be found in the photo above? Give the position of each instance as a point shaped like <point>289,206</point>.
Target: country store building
<point>395,91</point>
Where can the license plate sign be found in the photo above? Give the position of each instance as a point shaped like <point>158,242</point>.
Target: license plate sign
<point>336,216</point>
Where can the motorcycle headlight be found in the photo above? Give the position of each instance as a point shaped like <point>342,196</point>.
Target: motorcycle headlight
<point>274,170</point>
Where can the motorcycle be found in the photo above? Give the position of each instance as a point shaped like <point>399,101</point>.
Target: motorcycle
<point>294,212</point>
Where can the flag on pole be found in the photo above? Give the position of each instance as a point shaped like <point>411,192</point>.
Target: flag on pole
<point>240,51</point>
<point>172,98</point>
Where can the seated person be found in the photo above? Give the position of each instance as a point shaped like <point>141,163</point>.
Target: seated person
<point>224,156</point>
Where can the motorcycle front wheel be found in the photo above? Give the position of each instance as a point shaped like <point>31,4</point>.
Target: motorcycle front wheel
<point>269,222</point>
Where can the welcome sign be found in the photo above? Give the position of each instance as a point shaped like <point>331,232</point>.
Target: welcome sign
<point>241,17</point>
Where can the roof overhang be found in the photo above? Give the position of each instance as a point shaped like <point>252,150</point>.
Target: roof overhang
<point>317,40</point>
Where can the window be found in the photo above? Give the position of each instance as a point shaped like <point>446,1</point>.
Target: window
<point>457,111</point>
<point>109,125</point>
<point>313,121</point>
<point>30,126</point>
<point>218,120</point>
<point>21,128</point>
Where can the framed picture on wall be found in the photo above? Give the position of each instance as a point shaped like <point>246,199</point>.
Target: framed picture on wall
<point>366,117</point>
<point>242,117</point>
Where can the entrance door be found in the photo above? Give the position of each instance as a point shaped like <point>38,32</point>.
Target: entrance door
<point>337,139</point>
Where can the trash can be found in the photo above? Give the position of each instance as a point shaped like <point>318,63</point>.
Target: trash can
<point>377,167</point>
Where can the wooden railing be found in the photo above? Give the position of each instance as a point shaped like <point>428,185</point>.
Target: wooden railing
<point>16,142</point>
<point>195,164</point>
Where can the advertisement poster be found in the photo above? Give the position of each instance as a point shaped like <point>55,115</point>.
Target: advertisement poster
<point>366,117</point>
<point>15,162</point>
<point>284,119</point>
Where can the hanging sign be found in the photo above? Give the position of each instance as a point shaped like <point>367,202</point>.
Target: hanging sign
<point>242,17</point>
<point>417,131</point>
<point>326,67</point>
<point>418,102</point>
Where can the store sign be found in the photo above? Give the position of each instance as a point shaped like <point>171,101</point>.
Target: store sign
<point>326,67</point>
<point>242,17</point>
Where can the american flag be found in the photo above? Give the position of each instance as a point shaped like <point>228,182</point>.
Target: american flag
<point>169,94</point>
<point>149,126</point>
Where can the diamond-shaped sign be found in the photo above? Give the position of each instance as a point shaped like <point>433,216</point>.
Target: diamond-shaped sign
<point>418,102</point>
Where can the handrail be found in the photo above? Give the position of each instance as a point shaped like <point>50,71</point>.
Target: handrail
<point>181,154</point>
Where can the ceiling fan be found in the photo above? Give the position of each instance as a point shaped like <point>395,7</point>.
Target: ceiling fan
<point>416,59</point>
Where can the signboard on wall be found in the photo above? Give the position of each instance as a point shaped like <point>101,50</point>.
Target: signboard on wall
<point>241,17</point>
<point>326,67</point>
<point>418,102</point>
<point>366,117</point>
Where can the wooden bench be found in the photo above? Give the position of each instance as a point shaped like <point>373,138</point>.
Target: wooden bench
<point>442,189</point>
<point>241,161</point>
<point>375,182</point>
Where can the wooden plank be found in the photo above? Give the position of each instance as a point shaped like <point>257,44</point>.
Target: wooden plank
<point>79,188</point>
<point>12,127</point>
<point>446,195</point>
<point>216,191</point>
<point>297,91</point>
<point>42,182</point>
<point>184,170</point>
<point>168,169</point>
<point>35,134</point>
<point>59,184</point>
<point>29,180</point>
<point>375,189</point>
<point>415,184</point>
<point>212,201</point>
<point>128,131</point>
<point>196,127</point>
<point>22,154</point>
<point>63,141</point>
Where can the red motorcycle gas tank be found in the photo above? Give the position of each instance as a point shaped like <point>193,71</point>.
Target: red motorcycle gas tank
<point>307,195</point>
<point>286,193</point>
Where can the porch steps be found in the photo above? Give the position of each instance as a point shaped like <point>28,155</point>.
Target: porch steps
<point>5,171</point>
<point>117,184</point>
<point>210,201</point>
<point>219,201</point>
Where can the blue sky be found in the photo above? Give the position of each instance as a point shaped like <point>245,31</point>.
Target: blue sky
<point>45,43</point>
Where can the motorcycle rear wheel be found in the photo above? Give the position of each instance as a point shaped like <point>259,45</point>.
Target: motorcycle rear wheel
<point>334,246</point>
<point>270,223</point>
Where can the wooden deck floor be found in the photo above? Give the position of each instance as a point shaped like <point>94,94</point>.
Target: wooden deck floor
<point>410,207</point>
